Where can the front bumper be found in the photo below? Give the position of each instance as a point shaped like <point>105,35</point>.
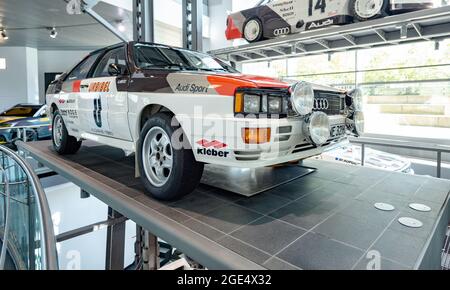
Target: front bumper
<point>222,142</point>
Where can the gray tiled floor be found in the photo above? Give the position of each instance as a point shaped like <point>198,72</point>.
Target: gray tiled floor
<point>322,221</point>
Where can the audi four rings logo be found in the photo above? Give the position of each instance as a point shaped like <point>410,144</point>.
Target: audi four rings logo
<point>321,104</point>
<point>281,31</point>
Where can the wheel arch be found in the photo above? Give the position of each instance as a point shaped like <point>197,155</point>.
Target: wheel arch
<point>152,109</point>
<point>53,109</point>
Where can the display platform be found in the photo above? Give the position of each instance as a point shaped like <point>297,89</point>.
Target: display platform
<point>250,182</point>
<point>325,220</point>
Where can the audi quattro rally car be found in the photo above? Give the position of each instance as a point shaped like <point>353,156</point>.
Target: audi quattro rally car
<point>272,18</point>
<point>179,109</point>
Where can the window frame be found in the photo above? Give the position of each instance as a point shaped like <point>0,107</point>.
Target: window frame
<point>103,55</point>
<point>100,53</point>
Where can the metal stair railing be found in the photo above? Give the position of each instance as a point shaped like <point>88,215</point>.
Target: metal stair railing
<point>28,238</point>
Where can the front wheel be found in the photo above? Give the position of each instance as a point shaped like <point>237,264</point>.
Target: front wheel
<point>63,143</point>
<point>364,10</point>
<point>167,173</point>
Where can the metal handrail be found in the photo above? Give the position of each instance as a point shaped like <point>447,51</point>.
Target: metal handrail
<point>439,149</point>
<point>50,261</point>
<point>7,217</point>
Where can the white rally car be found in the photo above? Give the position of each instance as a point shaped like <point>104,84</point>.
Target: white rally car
<point>178,109</point>
<point>273,18</point>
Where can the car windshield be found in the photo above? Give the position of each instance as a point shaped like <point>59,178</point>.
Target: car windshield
<point>149,56</point>
<point>20,111</point>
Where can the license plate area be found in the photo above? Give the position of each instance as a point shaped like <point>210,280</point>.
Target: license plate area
<point>337,131</point>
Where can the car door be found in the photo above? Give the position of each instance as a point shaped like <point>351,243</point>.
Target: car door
<point>104,103</point>
<point>69,97</point>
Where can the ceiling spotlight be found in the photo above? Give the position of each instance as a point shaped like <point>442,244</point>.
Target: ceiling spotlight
<point>120,26</point>
<point>53,33</point>
<point>4,35</point>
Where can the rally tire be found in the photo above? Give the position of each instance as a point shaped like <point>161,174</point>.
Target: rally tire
<point>384,11</point>
<point>258,36</point>
<point>185,172</point>
<point>63,143</point>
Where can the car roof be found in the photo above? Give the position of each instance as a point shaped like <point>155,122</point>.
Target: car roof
<point>131,42</point>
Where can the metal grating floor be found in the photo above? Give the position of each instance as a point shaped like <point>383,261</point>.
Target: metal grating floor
<point>325,220</point>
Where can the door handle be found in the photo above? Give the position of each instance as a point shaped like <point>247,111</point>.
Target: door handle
<point>84,86</point>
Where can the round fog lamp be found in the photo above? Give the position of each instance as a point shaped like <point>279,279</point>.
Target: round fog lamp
<point>317,128</point>
<point>358,119</point>
<point>302,98</point>
<point>357,96</point>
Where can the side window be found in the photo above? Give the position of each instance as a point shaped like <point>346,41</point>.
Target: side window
<point>116,56</point>
<point>82,70</point>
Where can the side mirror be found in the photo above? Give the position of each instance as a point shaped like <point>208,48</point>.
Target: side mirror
<point>116,69</point>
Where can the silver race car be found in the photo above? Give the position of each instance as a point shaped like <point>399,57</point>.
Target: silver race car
<point>273,18</point>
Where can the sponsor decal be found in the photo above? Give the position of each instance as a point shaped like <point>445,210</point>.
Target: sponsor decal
<point>210,148</point>
<point>61,101</point>
<point>99,87</point>
<point>284,3</point>
<point>207,144</point>
<point>321,23</point>
<point>69,113</point>
<point>191,88</point>
<point>102,132</point>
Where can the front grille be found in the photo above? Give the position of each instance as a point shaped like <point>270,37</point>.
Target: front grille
<point>329,103</point>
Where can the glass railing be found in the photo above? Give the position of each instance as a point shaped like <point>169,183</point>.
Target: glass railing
<point>27,240</point>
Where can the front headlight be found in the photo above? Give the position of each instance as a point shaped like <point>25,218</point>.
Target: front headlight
<point>261,102</point>
<point>302,99</point>
<point>252,104</point>
<point>357,99</point>
<point>317,128</point>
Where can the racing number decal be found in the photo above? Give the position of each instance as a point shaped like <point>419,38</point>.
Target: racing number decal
<point>98,112</point>
<point>320,4</point>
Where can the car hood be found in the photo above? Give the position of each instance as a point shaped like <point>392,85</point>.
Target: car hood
<point>268,82</point>
<point>4,120</point>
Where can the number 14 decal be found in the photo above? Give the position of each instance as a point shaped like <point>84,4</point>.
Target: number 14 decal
<point>320,4</point>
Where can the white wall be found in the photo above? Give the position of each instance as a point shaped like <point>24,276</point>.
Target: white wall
<point>32,75</point>
<point>218,11</point>
<point>51,61</point>
<point>18,83</point>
